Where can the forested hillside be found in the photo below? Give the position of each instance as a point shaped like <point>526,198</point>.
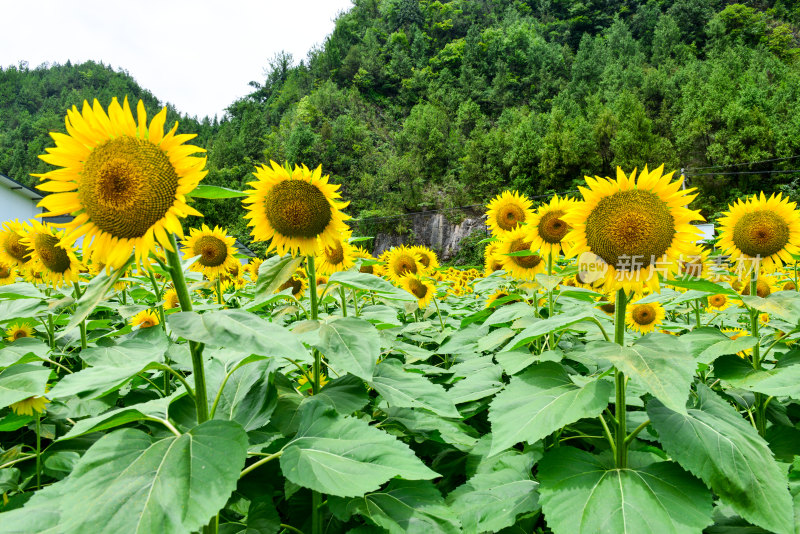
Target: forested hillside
<point>429,104</point>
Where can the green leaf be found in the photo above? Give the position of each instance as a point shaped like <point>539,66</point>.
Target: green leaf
<point>32,348</point>
<point>706,344</point>
<point>778,382</point>
<point>580,494</point>
<point>15,309</point>
<point>541,400</point>
<point>411,390</point>
<point>19,382</point>
<point>272,274</point>
<point>483,379</point>
<point>658,362</point>
<point>93,294</point>
<point>134,483</point>
<point>433,427</point>
<point>21,290</point>
<point>350,344</point>
<point>248,397</point>
<point>369,282</point>
<point>492,501</point>
<point>238,330</point>
<point>214,192</point>
<point>344,456</point>
<point>716,444</point>
<point>346,394</point>
<point>413,507</point>
<point>701,285</point>
<point>546,326</point>
<point>783,304</point>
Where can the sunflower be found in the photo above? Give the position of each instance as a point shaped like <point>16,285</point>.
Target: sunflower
<point>736,333</point>
<point>761,230</point>
<point>144,319</point>
<point>335,256</point>
<point>297,283</point>
<point>51,256</point>
<point>763,288</point>
<point>252,268</point>
<point>718,302</point>
<point>215,250</point>
<point>365,256</point>
<point>608,303</point>
<point>13,251</point>
<point>8,275</point>
<point>126,183</point>
<point>507,211</point>
<point>695,264</point>
<point>30,405</point>
<point>401,261</point>
<point>636,228</point>
<point>296,210</point>
<point>491,300</point>
<point>520,267</point>
<point>763,318</point>
<point>644,318</point>
<point>302,381</point>
<point>492,261</point>
<point>789,286</point>
<point>171,299</point>
<point>17,331</point>
<point>421,288</point>
<point>548,229</point>
<point>426,257</point>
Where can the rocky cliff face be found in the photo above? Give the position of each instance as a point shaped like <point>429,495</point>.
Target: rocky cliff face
<point>432,230</point>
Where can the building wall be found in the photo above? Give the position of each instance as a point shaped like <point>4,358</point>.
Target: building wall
<point>14,205</point>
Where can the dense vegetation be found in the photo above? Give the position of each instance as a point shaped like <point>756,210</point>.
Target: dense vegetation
<point>422,104</point>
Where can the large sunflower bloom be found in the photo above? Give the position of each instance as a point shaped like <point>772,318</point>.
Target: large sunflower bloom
<point>548,229</point>
<point>644,318</point>
<point>145,319</point>
<point>401,261</point>
<point>427,258</point>
<point>297,283</point>
<point>215,250</point>
<point>422,289</point>
<point>8,275</point>
<point>491,260</point>
<point>126,183</point>
<point>336,256</point>
<point>520,267</point>
<point>635,228</point>
<point>366,257</point>
<point>760,229</point>
<point>13,251</point>
<point>718,302</point>
<point>51,256</point>
<point>507,211</point>
<point>17,331</point>
<point>296,211</point>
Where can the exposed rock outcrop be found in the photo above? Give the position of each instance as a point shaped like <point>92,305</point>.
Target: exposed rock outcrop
<point>432,230</point>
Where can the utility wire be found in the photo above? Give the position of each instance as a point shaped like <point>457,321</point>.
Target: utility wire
<point>792,171</point>
<point>741,164</point>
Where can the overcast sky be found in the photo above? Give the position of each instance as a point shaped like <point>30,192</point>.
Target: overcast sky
<point>198,55</point>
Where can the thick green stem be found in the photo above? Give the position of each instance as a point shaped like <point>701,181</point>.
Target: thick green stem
<point>760,406</point>
<point>83,323</point>
<point>51,330</point>
<point>621,453</point>
<point>38,450</point>
<point>159,297</point>
<point>316,497</point>
<point>438,313</point>
<point>196,349</point>
<point>343,298</point>
<point>219,292</point>
<point>550,298</point>
<point>697,314</point>
<point>355,302</point>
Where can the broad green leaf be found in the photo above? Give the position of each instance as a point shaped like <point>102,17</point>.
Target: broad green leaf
<point>433,427</point>
<point>465,340</point>
<point>19,382</point>
<point>715,443</point>
<point>480,459</point>
<point>482,379</point>
<point>489,502</point>
<point>656,361</point>
<point>701,285</point>
<point>238,330</point>
<point>345,456</point>
<point>411,390</point>
<point>156,408</point>
<point>346,394</point>
<point>541,400</point>
<point>582,495</point>
<point>21,290</point>
<point>407,506</point>
<point>778,381</point>
<point>249,398</point>
<point>351,345</point>
<point>495,338</point>
<point>706,344</point>
<point>134,483</point>
<point>546,326</point>
<point>214,192</point>
<point>272,274</point>
<point>14,309</point>
<point>783,304</point>
<point>32,347</point>
<point>93,294</point>
<point>370,282</point>
<point>509,312</point>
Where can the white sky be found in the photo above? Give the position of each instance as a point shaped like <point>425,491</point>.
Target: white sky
<point>197,55</point>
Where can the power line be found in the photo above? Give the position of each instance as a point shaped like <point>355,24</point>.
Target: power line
<point>792,171</point>
<point>741,164</point>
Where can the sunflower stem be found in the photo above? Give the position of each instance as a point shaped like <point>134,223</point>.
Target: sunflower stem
<point>51,329</point>
<point>196,349</point>
<point>760,406</point>
<point>621,452</point>
<point>159,296</point>
<point>697,313</point>
<point>38,450</point>
<point>438,313</point>
<point>343,298</point>
<point>355,302</point>
<point>219,292</point>
<point>550,297</point>
<point>316,497</point>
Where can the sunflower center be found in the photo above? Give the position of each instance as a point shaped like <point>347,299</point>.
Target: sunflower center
<point>762,289</point>
<point>5,272</point>
<point>335,254</point>
<point>760,233</point>
<point>53,257</point>
<point>527,262</point>
<point>425,260</point>
<point>510,216</point>
<point>417,288</point>
<point>693,269</point>
<point>296,208</point>
<point>366,269</point>
<point>551,228</point>
<point>212,251</point>
<point>404,264</point>
<point>717,300</point>
<point>127,185</point>
<point>19,333</point>
<point>643,314</point>
<point>630,229</point>
<point>789,286</point>
<point>608,307</point>
<point>15,248</point>
<point>294,283</point>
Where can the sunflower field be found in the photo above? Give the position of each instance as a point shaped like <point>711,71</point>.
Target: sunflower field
<point>604,371</point>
